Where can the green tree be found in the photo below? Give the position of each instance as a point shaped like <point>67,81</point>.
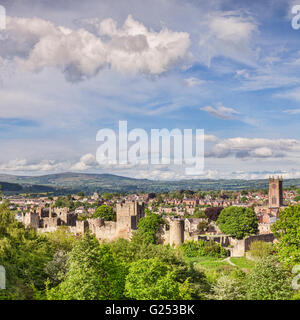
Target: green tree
<point>106,212</point>
<point>238,222</point>
<point>227,288</point>
<point>93,274</point>
<point>199,213</point>
<point>61,239</point>
<point>244,199</point>
<point>202,248</point>
<point>202,226</point>
<point>56,269</point>
<point>152,279</point>
<point>148,228</point>
<point>24,254</point>
<point>269,280</point>
<point>287,230</point>
<point>131,251</point>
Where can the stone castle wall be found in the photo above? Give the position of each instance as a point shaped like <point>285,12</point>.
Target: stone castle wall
<point>241,246</point>
<point>48,219</point>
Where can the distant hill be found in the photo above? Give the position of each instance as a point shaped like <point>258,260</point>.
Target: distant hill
<point>74,182</point>
<point>7,187</point>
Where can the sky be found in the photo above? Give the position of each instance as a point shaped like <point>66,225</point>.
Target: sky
<point>71,68</point>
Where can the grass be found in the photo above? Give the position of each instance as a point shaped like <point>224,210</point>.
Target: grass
<point>214,267</point>
<point>243,263</point>
<point>206,262</point>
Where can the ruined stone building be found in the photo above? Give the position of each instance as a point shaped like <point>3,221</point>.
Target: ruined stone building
<point>49,219</point>
<point>128,215</point>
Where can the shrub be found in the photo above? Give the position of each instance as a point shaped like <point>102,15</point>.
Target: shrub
<point>260,249</point>
<point>202,248</point>
<point>269,280</point>
<point>152,279</point>
<point>227,288</point>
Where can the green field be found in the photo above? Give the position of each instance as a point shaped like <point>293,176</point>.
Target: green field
<point>214,267</point>
<point>243,263</point>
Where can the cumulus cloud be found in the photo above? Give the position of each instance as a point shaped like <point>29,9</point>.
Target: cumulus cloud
<point>254,148</point>
<point>23,165</point>
<point>36,44</point>
<point>86,162</point>
<point>221,112</point>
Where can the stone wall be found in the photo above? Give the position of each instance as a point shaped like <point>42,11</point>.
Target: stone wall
<point>31,219</point>
<point>241,246</point>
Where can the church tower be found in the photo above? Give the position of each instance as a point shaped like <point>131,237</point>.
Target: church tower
<point>275,192</point>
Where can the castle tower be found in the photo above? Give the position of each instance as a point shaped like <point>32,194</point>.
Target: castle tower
<point>176,232</point>
<point>129,214</point>
<point>275,192</point>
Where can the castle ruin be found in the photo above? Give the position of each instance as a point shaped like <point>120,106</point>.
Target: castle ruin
<point>128,215</point>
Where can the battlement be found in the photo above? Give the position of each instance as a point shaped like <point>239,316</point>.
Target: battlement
<point>273,179</point>
<point>129,208</point>
<point>129,214</point>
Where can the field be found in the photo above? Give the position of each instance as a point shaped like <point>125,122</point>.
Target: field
<point>214,267</point>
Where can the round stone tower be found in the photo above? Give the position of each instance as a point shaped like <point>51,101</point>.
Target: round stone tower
<point>176,232</point>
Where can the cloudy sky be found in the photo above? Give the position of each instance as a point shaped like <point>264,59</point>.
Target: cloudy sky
<point>70,68</point>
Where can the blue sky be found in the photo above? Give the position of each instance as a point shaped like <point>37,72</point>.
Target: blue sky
<point>229,67</point>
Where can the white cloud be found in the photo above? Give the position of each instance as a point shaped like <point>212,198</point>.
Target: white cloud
<point>22,165</point>
<point>36,44</point>
<point>210,138</point>
<point>246,148</point>
<point>292,111</point>
<point>221,112</point>
<point>293,94</point>
<point>192,82</point>
<point>86,162</point>
<point>229,35</point>
<point>242,73</point>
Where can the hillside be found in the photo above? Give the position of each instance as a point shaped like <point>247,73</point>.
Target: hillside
<point>74,182</point>
<point>7,187</point>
